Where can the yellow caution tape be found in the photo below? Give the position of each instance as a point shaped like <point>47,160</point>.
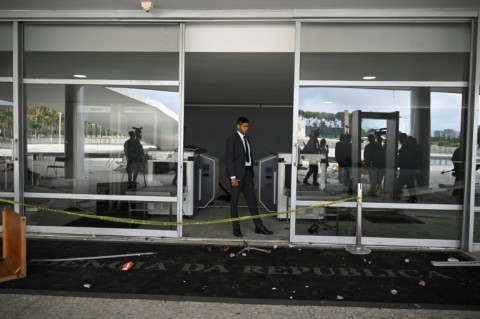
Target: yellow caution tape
<point>159,223</point>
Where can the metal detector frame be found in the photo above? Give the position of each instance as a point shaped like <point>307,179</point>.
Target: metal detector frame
<point>390,150</point>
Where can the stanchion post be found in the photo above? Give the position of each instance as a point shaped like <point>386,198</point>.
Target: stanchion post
<point>358,249</point>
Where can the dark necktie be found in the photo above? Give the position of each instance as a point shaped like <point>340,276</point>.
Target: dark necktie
<point>247,150</point>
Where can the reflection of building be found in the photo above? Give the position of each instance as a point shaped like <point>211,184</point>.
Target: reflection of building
<point>446,133</point>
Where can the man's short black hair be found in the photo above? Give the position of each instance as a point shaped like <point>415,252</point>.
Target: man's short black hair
<point>242,119</point>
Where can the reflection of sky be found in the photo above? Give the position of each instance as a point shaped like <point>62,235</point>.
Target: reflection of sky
<point>445,109</point>
<point>167,98</point>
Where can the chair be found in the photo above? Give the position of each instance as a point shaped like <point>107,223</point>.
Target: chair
<point>58,163</point>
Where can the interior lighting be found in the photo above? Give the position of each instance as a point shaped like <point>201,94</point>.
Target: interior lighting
<point>369,77</point>
<point>79,76</point>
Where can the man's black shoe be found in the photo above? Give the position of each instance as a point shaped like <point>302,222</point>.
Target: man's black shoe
<point>237,233</point>
<point>315,183</point>
<point>264,231</point>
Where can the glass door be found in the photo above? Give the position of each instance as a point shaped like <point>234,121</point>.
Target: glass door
<point>367,114</point>
<point>103,124</point>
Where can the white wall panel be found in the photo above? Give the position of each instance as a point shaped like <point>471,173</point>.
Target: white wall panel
<point>240,37</point>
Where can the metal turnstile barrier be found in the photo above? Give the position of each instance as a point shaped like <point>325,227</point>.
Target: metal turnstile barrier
<point>206,179</point>
<point>267,188</point>
<point>275,180</point>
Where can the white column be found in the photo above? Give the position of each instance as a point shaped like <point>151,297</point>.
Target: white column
<point>74,137</point>
<point>420,124</point>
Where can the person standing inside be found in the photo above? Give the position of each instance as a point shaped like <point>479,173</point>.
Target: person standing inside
<point>239,166</point>
<point>323,150</point>
<point>372,155</point>
<point>381,159</point>
<point>458,170</point>
<point>312,147</point>
<point>133,150</point>
<point>340,157</point>
<point>407,162</point>
<point>347,161</point>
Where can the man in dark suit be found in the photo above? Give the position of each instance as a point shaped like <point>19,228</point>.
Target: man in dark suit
<point>239,162</point>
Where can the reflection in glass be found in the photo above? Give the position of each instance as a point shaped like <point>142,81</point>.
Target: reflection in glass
<point>329,114</point>
<point>6,137</point>
<point>476,225</point>
<point>385,223</point>
<point>476,228</point>
<point>87,127</point>
<point>399,144</point>
<point>99,214</point>
<point>6,50</point>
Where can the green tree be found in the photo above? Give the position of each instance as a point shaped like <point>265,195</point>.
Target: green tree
<point>6,122</point>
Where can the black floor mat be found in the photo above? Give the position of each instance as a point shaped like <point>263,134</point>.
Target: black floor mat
<point>291,274</point>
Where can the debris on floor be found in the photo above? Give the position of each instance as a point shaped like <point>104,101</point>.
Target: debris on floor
<point>127,266</point>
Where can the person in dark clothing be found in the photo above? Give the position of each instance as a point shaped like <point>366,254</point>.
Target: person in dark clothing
<point>372,155</point>
<point>381,160</point>
<point>417,155</point>
<point>340,157</point>
<point>239,169</point>
<point>312,147</point>
<point>347,160</point>
<point>133,150</point>
<point>458,171</point>
<point>408,164</point>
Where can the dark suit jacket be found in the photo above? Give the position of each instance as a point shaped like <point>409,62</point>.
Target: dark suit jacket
<point>235,156</point>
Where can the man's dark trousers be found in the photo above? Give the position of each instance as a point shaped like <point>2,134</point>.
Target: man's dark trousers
<point>245,186</point>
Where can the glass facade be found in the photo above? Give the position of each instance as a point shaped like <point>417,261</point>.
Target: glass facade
<point>399,138</point>
<point>97,120</point>
<point>6,114</point>
<point>6,50</point>
<point>476,225</point>
<point>388,51</point>
<point>6,138</point>
<point>6,108</point>
<point>89,89</point>
<point>117,140</point>
<point>325,117</point>
<point>133,52</point>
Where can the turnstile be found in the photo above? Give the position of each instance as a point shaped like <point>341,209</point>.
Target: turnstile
<point>275,175</point>
<point>161,171</point>
<point>206,179</point>
<point>274,182</point>
<point>267,188</point>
